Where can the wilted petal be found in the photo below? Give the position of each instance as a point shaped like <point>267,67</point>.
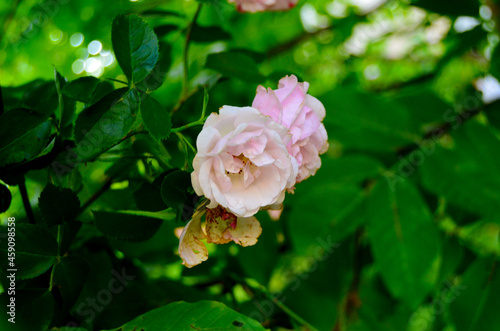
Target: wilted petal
<point>246,232</point>
<point>191,249</point>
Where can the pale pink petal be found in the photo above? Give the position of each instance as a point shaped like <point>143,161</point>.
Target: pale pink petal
<point>268,103</point>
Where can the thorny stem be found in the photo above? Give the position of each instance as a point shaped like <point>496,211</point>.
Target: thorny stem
<point>186,50</point>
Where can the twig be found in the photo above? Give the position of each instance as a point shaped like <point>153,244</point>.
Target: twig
<point>97,194</point>
<point>275,51</point>
<point>261,289</point>
<point>117,80</point>
<point>26,201</point>
<point>186,50</point>
<point>187,126</point>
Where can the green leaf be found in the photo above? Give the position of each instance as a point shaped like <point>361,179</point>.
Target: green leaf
<point>475,300</point>
<point>201,315</point>
<point>156,118</point>
<point>465,170</point>
<point>58,205</point>
<point>81,89</point>
<point>131,225</point>
<point>155,79</point>
<point>135,45</point>
<point>368,122</point>
<point>36,250</point>
<point>5,198</point>
<point>235,65</point>
<point>334,200</point>
<point>336,212</point>
<point>404,240</point>
<point>67,106</point>
<point>423,104</point>
<point>24,134</point>
<point>451,8</point>
<point>104,124</point>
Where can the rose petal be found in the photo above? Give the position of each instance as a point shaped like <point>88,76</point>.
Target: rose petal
<point>246,232</point>
<point>191,249</point>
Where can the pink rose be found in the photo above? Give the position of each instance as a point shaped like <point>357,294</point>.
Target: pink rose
<point>253,6</point>
<point>302,114</point>
<point>242,162</point>
<point>220,227</point>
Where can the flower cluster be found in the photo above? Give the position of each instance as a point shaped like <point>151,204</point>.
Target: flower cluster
<point>247,159</point>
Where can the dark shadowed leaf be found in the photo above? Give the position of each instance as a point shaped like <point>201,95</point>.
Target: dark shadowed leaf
<point>235,65</point>
<point>165,29</point>
<point>36,250</point>
<point>58,205</point>
<point>131,225</point>
<point>69,276</point>
<point>208,34</point>
<point>81,89</point>
<point>105,123</point>
<point>34,310</point>
<point>174,188</point>
<point>156,118</point>
<point>24,134</point>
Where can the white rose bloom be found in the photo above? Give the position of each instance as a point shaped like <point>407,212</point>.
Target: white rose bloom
<point>242,162</point>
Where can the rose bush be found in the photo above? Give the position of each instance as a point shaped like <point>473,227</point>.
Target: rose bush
<point>302,114</point>
<point>253,6</point>
<point>242,161</point>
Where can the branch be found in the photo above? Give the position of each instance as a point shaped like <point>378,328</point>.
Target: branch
<point>186,50</point>
<point>97,194</point>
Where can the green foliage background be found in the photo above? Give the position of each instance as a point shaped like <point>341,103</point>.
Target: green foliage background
<point>399,229</point>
